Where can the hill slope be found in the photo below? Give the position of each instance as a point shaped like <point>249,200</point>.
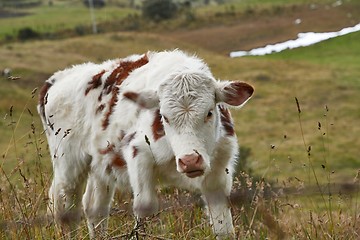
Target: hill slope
<point>272,113</point>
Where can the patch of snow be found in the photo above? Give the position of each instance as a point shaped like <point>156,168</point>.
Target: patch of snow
<point>337,3</point>
<point>313,6</point>
<point>303,40</point>
<point>297,21</point>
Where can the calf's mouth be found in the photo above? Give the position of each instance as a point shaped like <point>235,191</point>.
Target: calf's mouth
<point>194,173</point>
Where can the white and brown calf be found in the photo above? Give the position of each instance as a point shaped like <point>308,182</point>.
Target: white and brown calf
<point>147,119</point>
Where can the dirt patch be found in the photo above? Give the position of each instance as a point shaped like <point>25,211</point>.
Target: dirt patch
<point>262,28</point>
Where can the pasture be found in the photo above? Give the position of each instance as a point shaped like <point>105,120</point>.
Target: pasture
<point>298,175</point>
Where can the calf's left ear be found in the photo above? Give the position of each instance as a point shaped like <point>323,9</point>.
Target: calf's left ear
<point>234,93</point>
<point>145,99</point>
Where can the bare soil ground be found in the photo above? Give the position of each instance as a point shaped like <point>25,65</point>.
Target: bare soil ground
<point>260,28</point>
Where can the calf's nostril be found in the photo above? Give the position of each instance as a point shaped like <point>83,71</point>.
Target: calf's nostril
<point>198,160</point>
<point>182,164</point>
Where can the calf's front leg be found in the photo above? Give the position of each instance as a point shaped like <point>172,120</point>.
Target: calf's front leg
<point>218,209</point>
<point>140,163</point>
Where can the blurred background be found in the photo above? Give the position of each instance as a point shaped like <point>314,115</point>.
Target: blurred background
<point>298,170</point>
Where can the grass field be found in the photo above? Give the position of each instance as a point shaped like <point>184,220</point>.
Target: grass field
<point>293,192</point>
<point>61,16</point>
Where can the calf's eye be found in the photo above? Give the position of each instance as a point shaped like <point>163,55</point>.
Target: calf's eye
<point>209,115</point>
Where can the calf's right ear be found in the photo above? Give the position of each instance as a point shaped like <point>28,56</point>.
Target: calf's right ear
<point>234,93</point>
<point>145,99</point>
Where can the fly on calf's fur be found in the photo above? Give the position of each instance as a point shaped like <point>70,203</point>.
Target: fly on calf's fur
<point>167,95</point>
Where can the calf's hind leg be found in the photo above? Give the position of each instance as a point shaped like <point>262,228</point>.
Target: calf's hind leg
<point>65,194</point>
<point>96,203</point>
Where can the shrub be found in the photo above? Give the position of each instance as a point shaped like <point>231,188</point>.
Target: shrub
<point>96,3</point>
<point>80,30</point>
<point>159,9</point>
<point>27,33</point>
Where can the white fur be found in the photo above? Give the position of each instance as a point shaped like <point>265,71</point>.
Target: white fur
<point>184,89</point>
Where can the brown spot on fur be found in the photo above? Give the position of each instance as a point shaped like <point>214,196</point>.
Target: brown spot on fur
<point>95,82</point>
<point>118,161</point>
<point>112,103</point>
<point>135,151</point>
<point>226,121</point>
<point>43,94</point>
<point>157,126</point>
<point>100,108</point>
<point>133,96</point>
<point>108,149</point>
<point>115,79</point>
<point>122,72</point>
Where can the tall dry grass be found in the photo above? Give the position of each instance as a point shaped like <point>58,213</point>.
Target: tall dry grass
<point>308,208</point>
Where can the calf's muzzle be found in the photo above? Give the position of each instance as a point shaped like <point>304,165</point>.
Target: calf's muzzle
<point>192,165</point>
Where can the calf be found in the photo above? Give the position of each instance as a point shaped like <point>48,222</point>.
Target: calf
<point>146,119</point>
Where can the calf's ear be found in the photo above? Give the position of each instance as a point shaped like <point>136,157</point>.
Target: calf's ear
<point>145,99</point>
<point>234,93</point>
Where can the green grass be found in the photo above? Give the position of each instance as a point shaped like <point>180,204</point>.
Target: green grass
<point>340,52</point>
<point>341,56</point>
<point>324,74</point>
<point>250,6</point>
<point>61,16</point>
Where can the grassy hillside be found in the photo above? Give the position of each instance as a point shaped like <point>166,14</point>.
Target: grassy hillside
<point>270,115</point>
<point>267,118</point>
<point>61,16</point>
<point>325,74</point>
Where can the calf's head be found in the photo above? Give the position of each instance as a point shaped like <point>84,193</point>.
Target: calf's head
<point>188,103</point>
